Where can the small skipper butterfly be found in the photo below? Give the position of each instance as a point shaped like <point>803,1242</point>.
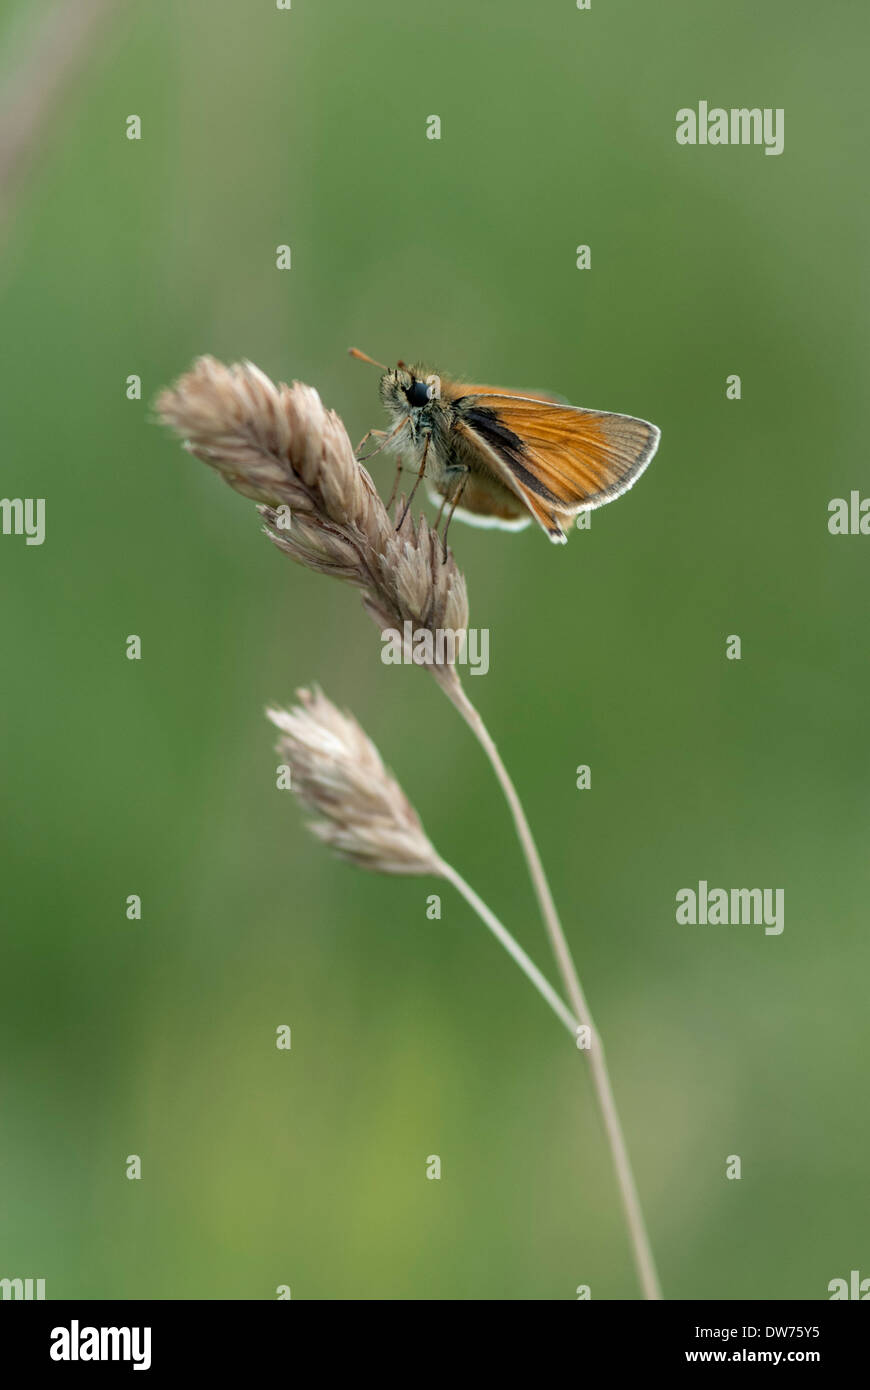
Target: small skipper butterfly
<point>508,457</point>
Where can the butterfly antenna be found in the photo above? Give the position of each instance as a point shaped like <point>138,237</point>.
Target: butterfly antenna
<point>364,357</point>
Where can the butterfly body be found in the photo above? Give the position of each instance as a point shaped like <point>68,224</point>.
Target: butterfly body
<point>503,458</point>
<point>452,458</point>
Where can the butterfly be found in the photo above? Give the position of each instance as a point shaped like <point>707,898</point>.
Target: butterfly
<point>500,457</point>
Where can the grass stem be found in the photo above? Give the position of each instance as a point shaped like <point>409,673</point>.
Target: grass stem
<point>640,1243</point>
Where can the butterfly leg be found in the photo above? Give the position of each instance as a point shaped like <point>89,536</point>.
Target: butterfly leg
<point>395,486</point>
<point>379,434</point>
<point>454,504</point>
<point>385,439</point>
<point>416,484</point>
<point>441,510</point>
<point>447,496</point>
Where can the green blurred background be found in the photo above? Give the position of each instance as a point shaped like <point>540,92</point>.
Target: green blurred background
<point>413,1037</point>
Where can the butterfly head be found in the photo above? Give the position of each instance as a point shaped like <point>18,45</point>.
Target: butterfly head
<point>409,390</point>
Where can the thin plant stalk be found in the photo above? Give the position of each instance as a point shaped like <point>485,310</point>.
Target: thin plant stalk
<point>513,948</point>
<point>640,1243</point>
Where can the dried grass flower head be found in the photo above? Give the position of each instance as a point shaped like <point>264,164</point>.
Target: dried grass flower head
<point>281,447</point>
<point>337,772</point>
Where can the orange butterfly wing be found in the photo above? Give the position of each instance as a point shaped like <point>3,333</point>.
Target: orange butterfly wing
<point>558,459</point>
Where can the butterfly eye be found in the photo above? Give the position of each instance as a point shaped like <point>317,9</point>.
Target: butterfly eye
<point>418,393</point>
